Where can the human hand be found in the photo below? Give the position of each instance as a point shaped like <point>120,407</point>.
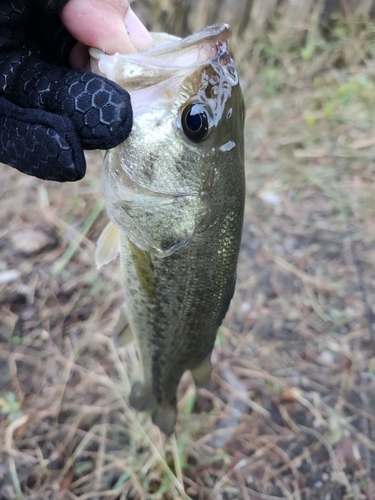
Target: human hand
<point>49,113</point>
<point>109,25</point>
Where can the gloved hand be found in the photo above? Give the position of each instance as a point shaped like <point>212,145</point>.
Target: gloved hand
<point>48,112</point>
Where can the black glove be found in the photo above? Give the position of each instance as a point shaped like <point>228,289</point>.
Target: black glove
<point>49,113</point>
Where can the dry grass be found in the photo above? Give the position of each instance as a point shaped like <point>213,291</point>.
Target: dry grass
<point>289,412</point>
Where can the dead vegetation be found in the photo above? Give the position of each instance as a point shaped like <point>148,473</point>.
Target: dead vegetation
<point>290,410</point>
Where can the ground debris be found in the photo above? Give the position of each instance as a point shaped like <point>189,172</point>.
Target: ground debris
<point>29,241</point>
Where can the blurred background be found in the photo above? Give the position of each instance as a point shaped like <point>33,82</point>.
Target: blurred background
<point>290,410</point>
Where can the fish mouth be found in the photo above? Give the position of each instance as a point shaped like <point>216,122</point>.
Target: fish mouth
<point>170,56</point>
<point>155,77</point>
<point>200,47</point>
<point>215,33</point>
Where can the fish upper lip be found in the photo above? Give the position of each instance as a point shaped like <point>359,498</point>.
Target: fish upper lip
<point>216,33</point>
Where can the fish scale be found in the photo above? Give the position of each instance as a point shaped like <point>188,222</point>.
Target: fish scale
<point>175,190</point>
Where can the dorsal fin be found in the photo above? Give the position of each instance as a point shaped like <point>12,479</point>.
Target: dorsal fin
<point>108,245</point>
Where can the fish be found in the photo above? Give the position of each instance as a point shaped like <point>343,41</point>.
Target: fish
<point>175,194</point>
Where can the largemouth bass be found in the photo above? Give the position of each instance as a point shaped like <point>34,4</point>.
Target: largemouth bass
<point>175,195</point>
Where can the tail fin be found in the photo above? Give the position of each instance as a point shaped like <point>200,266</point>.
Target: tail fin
<point>164,415</point>
<point>141,397</point>
<point>165,418</point>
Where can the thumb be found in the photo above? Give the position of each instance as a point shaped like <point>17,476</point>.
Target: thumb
<point>109,25</point>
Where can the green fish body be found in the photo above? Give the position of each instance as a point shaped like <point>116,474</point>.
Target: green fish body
<point>175,190</point>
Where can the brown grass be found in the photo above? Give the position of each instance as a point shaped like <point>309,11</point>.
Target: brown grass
<point>289,412</point>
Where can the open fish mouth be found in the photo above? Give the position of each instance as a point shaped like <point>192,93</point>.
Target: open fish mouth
<point>170,55</point>
<point>153,78</point>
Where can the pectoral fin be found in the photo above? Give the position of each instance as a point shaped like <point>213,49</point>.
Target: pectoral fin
<point>108,245</point>
<point>202,373</point>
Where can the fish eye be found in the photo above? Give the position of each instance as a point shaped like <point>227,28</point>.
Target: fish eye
<point>195,122</point>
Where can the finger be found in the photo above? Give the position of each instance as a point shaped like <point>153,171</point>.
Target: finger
<point>40,144</point>
<point>103,24</point>
<point>80,57</point>
<point>138,34</point>
<point>99,109</point>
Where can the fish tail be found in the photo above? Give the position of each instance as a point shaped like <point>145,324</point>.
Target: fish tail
<point>141,397</point>
<point>164,415</point>
<point>165,418</point>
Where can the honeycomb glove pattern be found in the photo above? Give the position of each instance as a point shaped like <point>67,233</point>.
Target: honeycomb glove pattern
<point>48,112</point>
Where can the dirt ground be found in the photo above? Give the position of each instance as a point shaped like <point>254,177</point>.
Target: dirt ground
<point>290,410</point>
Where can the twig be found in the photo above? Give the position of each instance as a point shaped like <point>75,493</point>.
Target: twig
<point>367,443</point>
<point>304,277</point>
<point>15,480</point>
<point>101,453</point>
<point>296,460</point>
<point>284,456</point>
<point>60,265</point>
<point>297,394</point>
<point>263,496</point>
<point>241,481</point>
<point>359,411</point>
<point>331,453</point>
<point>284,489</point>
<point>176,459</point>
<point>315,305</point>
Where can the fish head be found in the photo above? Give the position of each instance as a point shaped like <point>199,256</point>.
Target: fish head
<point>185,150</point>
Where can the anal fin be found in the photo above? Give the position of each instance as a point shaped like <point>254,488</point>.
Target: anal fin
<point>122,333</point>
